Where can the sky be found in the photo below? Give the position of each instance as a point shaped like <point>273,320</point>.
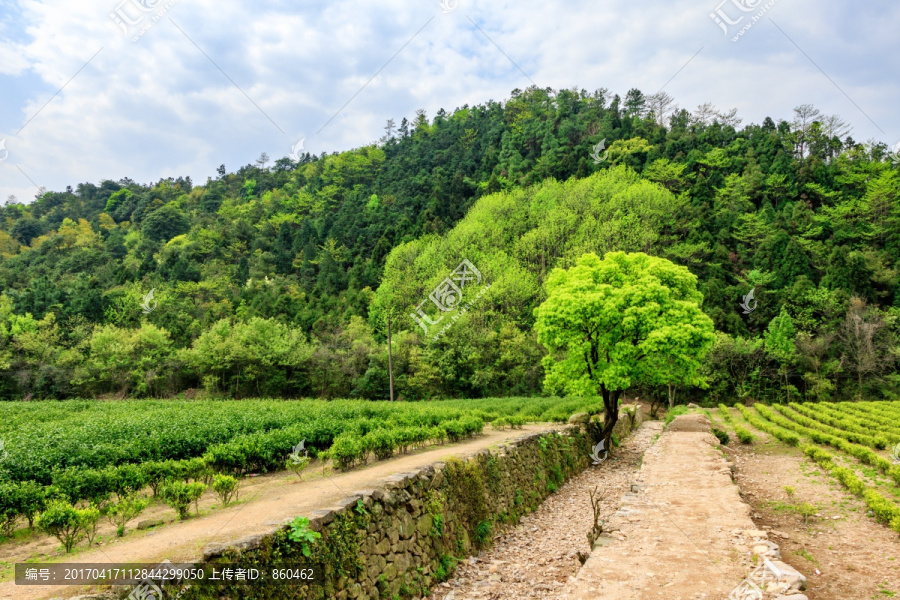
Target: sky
<point>149,89</point>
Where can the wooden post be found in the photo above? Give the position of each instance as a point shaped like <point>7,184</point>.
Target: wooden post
<point>390,358</point>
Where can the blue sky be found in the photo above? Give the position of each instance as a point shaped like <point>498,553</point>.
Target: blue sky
<point>210,83</point>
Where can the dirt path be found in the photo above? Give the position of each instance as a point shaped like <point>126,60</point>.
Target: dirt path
<point>267,502</point>
<point>537,558</point>
<point>856,556</point>
<point>673,539</point>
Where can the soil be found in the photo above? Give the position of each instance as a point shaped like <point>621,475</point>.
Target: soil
<point>856,556</point>
<point>264,503</point>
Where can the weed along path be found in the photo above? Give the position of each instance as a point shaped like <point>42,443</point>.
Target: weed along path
<point>683,532</point>
<point>537,558</point>
<point>265,502</point>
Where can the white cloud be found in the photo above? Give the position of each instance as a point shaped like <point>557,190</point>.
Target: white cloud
<point>158,107</point>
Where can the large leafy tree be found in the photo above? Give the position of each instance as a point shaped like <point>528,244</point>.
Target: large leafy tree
<point>624,320</point>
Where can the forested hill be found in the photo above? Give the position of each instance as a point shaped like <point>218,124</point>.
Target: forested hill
<point>263,279</point>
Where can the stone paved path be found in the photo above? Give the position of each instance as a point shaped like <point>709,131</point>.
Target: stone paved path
<point>674,538</point>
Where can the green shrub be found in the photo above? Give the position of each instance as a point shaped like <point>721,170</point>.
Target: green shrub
<point>382,442</point>
<point>129,479</point>
<point>124,510</point>
<point>9,507</point>
<point>500,423</point>
<point>157,472</point>
<point>518,421</point>
<point>226,487</point>
<point>195,468</point>
<point>404,438</point>
<point>25,499</point>
<point>83,483</point>
<point>806,510</point>
<point>723,436</point>
<point>179,495</point>
<point>743,434</point>
<point>346,451</point>
<point>455,430</point>
<point>438,434</point>
<point>65,522</point>
<point>472,425</point>
<point>91,517</point>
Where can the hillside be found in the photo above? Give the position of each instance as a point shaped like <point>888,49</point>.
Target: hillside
<point>264,280</point>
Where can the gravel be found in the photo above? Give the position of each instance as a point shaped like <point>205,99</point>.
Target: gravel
<point>537,558</point>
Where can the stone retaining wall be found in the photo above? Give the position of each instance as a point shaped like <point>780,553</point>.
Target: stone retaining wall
<point>400,540</point>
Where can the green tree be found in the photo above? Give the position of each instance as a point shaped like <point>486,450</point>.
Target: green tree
<point>614,322</point>
<point>165,223</point>
<point>780,344</point>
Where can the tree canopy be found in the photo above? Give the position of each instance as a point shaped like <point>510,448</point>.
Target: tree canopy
<point>627,319</point>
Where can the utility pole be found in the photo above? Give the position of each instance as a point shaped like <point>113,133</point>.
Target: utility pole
<point>390,358</point>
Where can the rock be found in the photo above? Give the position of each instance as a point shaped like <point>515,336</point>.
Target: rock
<point>793,597</point>
<point>320,518</point>
<point>760,549</point>
<point>790,575</point>
<point>348,502</point>
<point>579,418</point>
<point>692,405</point>
<point>214,550</point>
<point>756,533</point>
<point>423,526</point>
<point>247,543</point>
<point>148,523</point>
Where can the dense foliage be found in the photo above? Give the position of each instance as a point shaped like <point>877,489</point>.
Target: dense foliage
<point>625,320</point>
<point>264,279</point>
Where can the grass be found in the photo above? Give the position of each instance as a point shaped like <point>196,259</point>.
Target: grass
<point>804,553</point>
<point>675,412</point>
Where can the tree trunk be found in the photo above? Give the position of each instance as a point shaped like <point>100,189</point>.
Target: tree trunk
<point>671,395</point>
<point>610,414</point>
<point>390,359</point>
